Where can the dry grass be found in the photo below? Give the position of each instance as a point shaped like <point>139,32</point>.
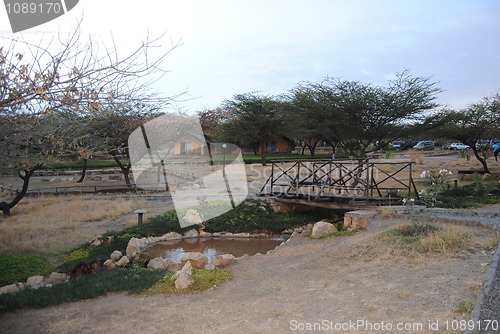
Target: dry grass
<point>52,224</point>
<point>416,157</point>
<point>448,242</point>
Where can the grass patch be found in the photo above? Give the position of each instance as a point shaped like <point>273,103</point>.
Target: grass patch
<point>50,224</point>
<point>428,238</point>
<point>476,194</point>
<point>465,306</point>
<point>132,280</point>
<point>204,279</point>
<point>18,268</point>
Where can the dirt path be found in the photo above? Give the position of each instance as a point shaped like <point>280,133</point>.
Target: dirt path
<point>301,283</point>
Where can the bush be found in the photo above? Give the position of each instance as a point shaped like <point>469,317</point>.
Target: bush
<point>428,238</point>
<point>85,287</point>
<point>472,195</point>
<point>18,268</point>
<point>257,216</point>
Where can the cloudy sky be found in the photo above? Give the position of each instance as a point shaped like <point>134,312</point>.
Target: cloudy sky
<point>235,46</point>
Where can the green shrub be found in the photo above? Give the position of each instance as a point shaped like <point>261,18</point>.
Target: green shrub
<point>101,252</point>
<point>18,268</point>
<point>204,279</point>
<point>472,195</point>
<point>85,287</point>
<point>77,255</point>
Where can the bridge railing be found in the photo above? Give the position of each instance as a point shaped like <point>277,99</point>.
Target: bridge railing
<point>343,178</point>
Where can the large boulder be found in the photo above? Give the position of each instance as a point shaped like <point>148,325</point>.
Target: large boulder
<point>186,269</point>
<point>183,281</point>
<point>12,288</point>
<point>116,255</point>
<point>358,220</point>
<point>56,278</point>
<point>322,228</point>
<point>197,259</point>
<point>34,280</point>
<point>223,260</point>
<point>183,277</point>
<point>123,261</point>
<point>192,217</point>
<point>172,235</point>
<point>109,264</point>
<point>191,234</point>
<point>158,263</point>
<point>135,245</point>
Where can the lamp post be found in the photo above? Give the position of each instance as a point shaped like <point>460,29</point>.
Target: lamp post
<point>140,214</point>
<point>224,146</point>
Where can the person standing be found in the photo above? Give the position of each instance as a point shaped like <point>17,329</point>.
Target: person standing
<point>496,150</point>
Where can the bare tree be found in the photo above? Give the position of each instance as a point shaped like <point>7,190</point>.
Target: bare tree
<point>66,73</point>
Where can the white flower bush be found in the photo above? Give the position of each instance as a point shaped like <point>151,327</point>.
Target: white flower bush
<point>437,184</point>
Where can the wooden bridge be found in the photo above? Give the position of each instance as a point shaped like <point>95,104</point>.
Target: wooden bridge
<point>340,183</point>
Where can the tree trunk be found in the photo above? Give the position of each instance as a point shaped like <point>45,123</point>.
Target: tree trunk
<point>263,152</point>
<point>84,171</point>
<point>481,159</point>
<point>124,168</point>
<point>6,207</point>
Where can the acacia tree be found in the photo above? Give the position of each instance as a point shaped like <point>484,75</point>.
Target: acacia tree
<point>254,118</point>
<point>67,72</point>
<point>306,119</point>
<point>478,121</point>
<point>358,115</point>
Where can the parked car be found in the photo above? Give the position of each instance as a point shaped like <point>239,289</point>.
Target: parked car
<point>398,145</point>
<point>459,146</point>
<point>447,146</point>
<point>425,145</point>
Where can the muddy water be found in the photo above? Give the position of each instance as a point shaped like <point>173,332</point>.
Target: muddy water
<point>211,247</point>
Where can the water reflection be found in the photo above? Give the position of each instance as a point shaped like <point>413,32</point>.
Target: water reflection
<point>212,247</point>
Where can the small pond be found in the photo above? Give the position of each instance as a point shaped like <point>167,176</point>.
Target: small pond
<point>212,247</point>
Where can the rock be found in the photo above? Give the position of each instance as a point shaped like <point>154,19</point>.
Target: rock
<point>123,261</point>
<point>193,217</point>
<point>223,260</point>
<point>198,260</point>
<point>158,263</point>
<point>172,235</point>
<point>12,288</point>
<point>135,245</point>
<point>110,239</point>
<point>110,264</point>
<point>209,267</point>
<point>116,255</point>
<point>56,278</point>
<point>322,228</point>
<point>354,220</point>
<point>174,266</point>
<point>96,242</point>
<point>186,269</point>
<point>34,280</point>
<point>191,233</point>
<point>183,281</point>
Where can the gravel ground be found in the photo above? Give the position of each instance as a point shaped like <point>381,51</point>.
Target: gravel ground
<point>490,309</point>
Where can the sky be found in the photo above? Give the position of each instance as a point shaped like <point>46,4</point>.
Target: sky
<point>231,47</point>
